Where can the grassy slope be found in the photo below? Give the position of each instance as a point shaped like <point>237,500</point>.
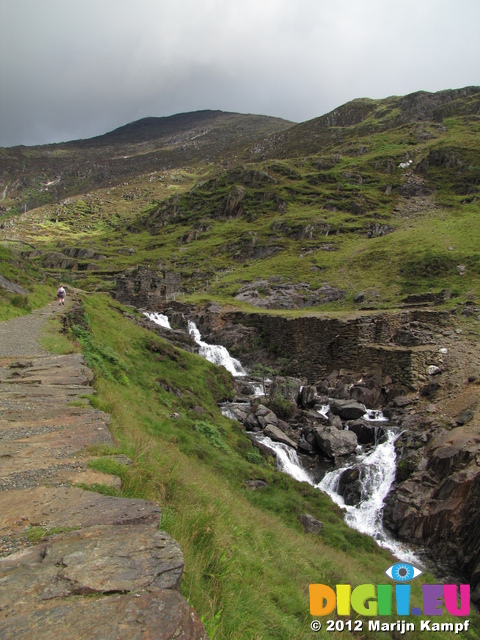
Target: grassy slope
<point>23,274</point>
<point>248,563</point>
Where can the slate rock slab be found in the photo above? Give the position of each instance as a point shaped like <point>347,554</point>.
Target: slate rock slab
<point>158,614</point>
<point>97,560</point>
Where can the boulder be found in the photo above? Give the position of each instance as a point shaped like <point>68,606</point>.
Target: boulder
<point>304,445</point>
<point>277,435</point>
<point>308,396</point>
<point>265,416</point>
<point>364,395</point>
<point>337,422</point>
<point>347,409</point>
<point>311,524</point>
<point>364,431</point>
<point>350,486</point>
<point>334,443</point>
<point>463,418</point>
<point>251,423</point>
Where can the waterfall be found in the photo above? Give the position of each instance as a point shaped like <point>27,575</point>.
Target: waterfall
<point>378,473</point>
<point>287,459</point>
<point>211,352</point>
<point>377,465</point>
<point>374,415</point>
<point>158,318</point>
<point>216,353</point>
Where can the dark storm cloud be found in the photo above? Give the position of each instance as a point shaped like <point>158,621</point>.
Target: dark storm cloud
<point>71,69</point>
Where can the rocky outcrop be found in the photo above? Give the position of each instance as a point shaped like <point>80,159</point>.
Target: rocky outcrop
<point>12,287</point>
<point>436,500</point>
<point>268,295</point>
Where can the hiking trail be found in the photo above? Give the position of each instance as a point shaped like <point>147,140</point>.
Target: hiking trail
<point>73,562</point>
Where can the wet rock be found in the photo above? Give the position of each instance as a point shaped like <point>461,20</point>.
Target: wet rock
<point>305,446</point>
<point>308,396</point>
<point>364,431</point>
<point>350,486</point>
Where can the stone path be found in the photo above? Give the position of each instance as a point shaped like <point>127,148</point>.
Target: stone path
<point>105,571</point>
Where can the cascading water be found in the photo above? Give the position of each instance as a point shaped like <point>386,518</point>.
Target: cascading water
<point>158,318</point>
<point>287,459</point>
<point>378,472</point>
<point>377,465</point>
<point>216,353</point>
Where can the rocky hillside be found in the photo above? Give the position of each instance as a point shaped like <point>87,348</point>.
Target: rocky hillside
<point>364,207</point>
<point>31,176</point>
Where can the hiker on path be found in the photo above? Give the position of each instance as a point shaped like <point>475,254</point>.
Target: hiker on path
<point>61,295</point>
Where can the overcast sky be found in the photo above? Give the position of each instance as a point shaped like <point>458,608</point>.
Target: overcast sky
<point>77,68</point>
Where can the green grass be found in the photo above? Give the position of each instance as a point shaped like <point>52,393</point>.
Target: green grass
<point>248,563</point>
<point>21,272</point>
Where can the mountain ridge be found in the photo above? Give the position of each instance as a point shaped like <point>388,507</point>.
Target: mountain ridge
<point>375,196</point>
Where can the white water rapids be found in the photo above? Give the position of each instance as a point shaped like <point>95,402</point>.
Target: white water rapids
<point>378,464</point>
<point>212,352</point>
<point>378,473</point>
<point>216,353</point>
<point>158,318</point>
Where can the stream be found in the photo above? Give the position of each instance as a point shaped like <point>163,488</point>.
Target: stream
<point>377,464</point>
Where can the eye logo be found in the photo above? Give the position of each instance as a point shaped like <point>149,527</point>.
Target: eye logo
<point>403,572</point>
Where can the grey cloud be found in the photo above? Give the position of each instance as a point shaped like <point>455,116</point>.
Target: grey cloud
<point>77,69</point>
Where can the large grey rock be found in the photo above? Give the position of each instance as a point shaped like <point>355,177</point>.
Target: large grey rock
<point>347,409</point>
<point>335,443</point>
<point>157,613</point>
<point>100,559</point>
<point>308,396</point>
<point>277,435</point>
<point>265,416</point>
<point>365,431</point>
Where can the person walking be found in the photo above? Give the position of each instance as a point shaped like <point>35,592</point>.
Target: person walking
<point>61,295</point>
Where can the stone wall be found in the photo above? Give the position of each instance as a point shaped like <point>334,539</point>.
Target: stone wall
<point>315,346</point>
<point>146,288</point>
